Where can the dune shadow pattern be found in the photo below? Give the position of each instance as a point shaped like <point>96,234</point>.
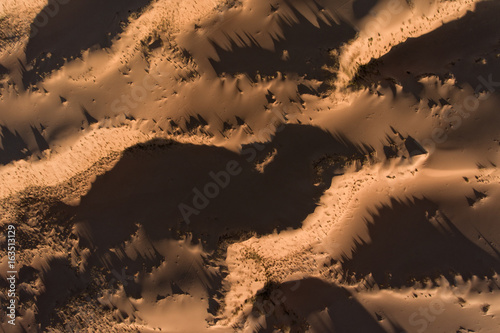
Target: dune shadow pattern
<point>292,304</point>
<point>471,57</point>
<point>66,28</point>
<point>276,188</point>
<point>14,147</point>
<point>413,241</point>
<point>152,180</point>
<point>307,50</point>
<point>149,182</point>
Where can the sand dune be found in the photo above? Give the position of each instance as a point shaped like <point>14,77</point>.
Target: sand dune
<point>249,166</point>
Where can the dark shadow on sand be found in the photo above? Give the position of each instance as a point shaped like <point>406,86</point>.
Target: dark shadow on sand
<point>151,180</point>
<point>14,147</point>
<point>291,303</point>
<point>65,30</point>
<point>308,48</point>
<point>413,241</point>
<point>466,48</point>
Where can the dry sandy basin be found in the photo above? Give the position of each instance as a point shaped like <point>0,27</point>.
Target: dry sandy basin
<point>250,166</point>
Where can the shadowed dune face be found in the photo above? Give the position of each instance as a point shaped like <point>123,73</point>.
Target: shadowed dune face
<point>14,147</point>
<point>3,70</point>
<point>144,187</point>
<point>66,28</point>
<point>303,50</point>
<point>297,300</point>
<point>413,242</point>
<point>361,8</point>
<point>293,37</point>
<point>58,276</point>
<point>471,53</point>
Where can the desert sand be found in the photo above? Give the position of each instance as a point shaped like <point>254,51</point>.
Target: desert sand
<point>250,166</point>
